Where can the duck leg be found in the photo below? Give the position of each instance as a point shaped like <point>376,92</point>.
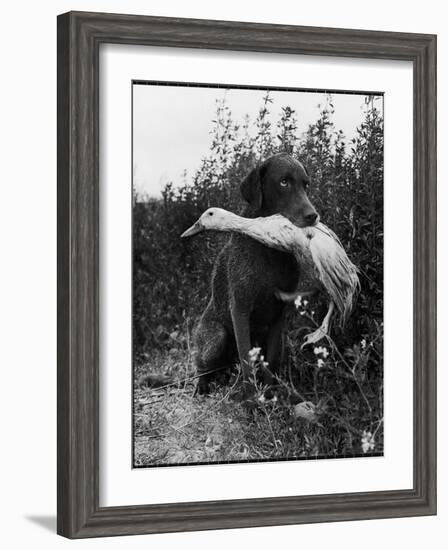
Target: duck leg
<point>322,331</point>
<point>292,296</point>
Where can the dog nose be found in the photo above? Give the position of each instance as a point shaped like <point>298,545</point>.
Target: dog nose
<point>311,218</point>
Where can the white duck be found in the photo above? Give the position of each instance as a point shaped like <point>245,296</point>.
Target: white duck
<point>318,251</point>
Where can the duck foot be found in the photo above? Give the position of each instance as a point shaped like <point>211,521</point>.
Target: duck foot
<point>315,336</point>
<point>321,332</point>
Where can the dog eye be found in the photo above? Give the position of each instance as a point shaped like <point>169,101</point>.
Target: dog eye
<point>284,183</point>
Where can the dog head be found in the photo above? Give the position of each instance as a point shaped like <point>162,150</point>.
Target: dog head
<point>278,186</point>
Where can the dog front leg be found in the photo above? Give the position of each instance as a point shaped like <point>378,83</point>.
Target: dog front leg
<point>274,355</point>
<point>241,329</point>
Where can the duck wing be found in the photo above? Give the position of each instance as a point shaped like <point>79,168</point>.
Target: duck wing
<point>338,274</point>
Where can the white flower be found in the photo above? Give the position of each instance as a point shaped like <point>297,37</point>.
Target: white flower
<point>262,399</point>
<point>321,350</point>
<point>367,442</point>
<point>254,354</point>
<point>305,303</point>
<point>298,301</point>
<point>320,363</point>
<point>363,343</point>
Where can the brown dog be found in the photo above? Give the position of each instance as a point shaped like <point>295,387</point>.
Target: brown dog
<point>243,310</point>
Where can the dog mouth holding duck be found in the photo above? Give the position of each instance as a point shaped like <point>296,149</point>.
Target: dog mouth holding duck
<point>316,248</point>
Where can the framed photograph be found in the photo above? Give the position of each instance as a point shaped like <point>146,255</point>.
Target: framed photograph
<point>246,274</point>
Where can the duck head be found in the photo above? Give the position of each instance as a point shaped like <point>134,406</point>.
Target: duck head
<point>213,218</point>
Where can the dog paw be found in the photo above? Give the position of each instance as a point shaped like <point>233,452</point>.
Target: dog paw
<point>243,392</point>
<point>202,387</point>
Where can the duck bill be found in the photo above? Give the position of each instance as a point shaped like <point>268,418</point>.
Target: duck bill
<point>193,230</point>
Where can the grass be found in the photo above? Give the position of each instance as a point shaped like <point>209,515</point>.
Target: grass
<point>171,426</point>
<point>336,412</point>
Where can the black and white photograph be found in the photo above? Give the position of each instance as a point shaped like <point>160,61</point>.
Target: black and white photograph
<point>220,266</point>
<point>257,274</point>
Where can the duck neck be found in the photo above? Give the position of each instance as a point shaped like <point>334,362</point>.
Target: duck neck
<point>237,224</point>
<point>266,230</point>
<point>255,228</point>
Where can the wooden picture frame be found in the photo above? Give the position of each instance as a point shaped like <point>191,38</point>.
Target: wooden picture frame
<point>79,38</point>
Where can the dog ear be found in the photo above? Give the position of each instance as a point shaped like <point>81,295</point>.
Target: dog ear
<point>251,188</point>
